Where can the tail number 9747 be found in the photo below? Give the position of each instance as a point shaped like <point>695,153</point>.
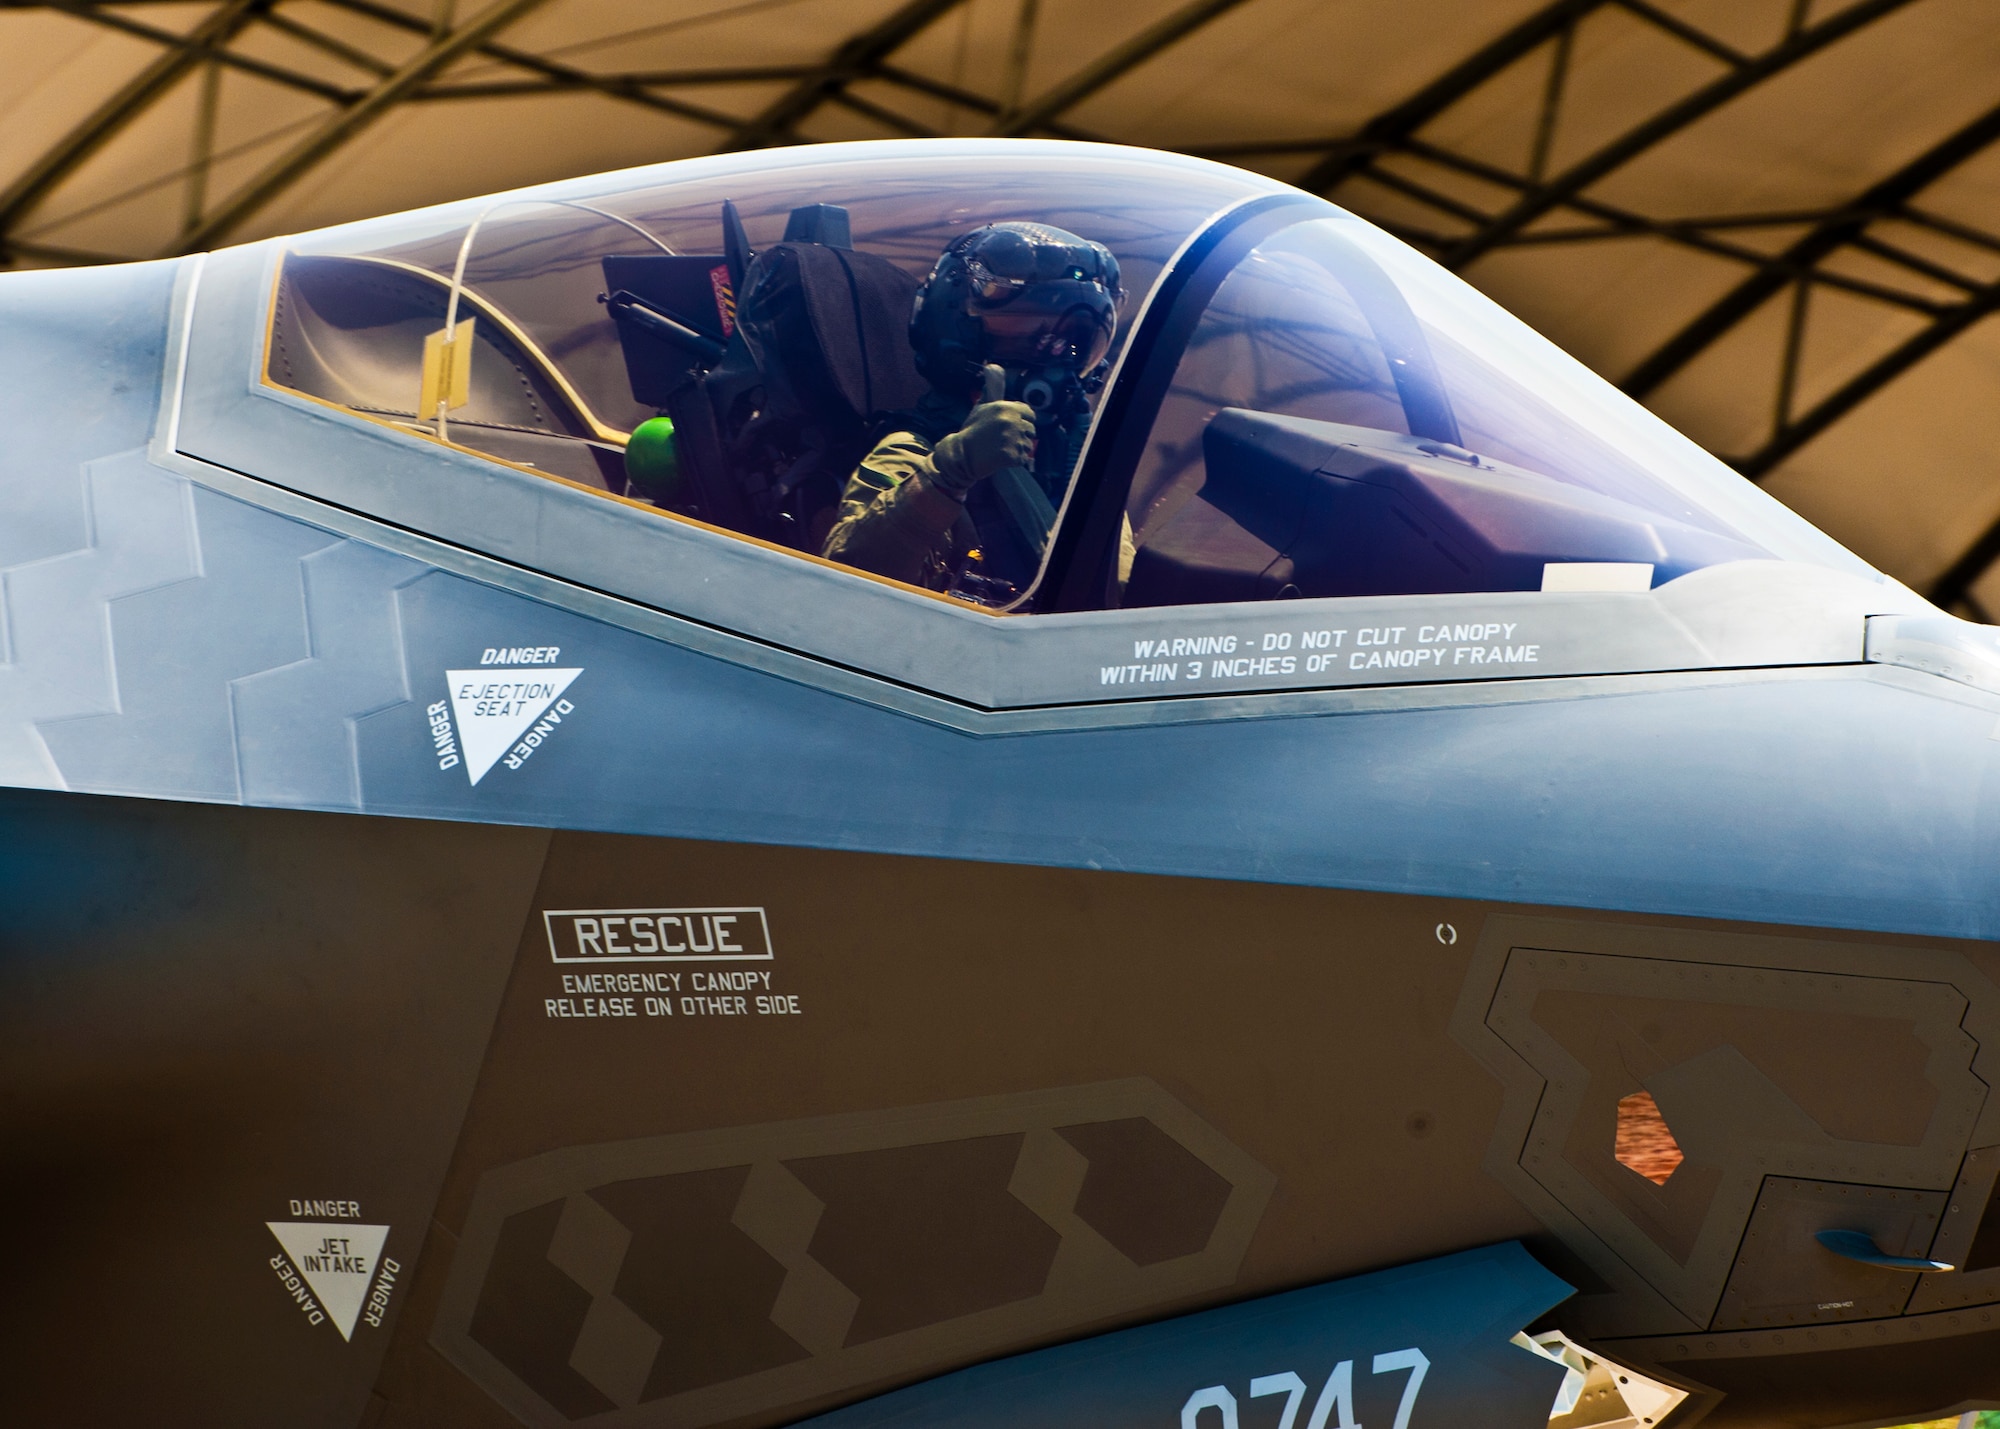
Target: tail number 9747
<point>1336,1398</point>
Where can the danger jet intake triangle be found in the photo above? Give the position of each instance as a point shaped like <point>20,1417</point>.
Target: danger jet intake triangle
<point>494,707</point>
<point>336,1259</point>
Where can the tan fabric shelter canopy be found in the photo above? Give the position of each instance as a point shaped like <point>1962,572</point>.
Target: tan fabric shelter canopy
<point>1775,221</point>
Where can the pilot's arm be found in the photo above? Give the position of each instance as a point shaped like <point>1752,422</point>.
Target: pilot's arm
<point>902,513</point>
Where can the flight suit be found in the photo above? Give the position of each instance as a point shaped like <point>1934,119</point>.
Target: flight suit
<point>903,516</point>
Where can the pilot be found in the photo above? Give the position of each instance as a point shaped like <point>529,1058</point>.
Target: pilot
<point>1019,311</point>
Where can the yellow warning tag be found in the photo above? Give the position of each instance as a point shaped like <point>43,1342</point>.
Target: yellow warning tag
<point>447,383</point>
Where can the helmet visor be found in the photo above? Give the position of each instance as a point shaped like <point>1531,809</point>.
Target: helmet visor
<point>1066,324</point>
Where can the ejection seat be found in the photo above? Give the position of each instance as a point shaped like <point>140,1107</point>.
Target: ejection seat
<point>774,367</point>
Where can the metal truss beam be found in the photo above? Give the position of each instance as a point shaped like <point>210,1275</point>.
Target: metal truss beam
<point>977,103</point>
<point>132,99</point>
<point>639,79</point>
<point>552,77</point>
<point>1796,432</point>
<point>560,77</point>
<point>1614,222</point>
<point>347,54</point>
<point>1114,64</point>
<point>1846,225</point>
<point>1693,36</point>
<point>1611,157</point>
<point>342,126</point>
<point>1954,586</point>
<point>853,60</point>
<point>889,119</point>
<point>113,19</point>
<point>866,56</point>
<point>58,255</point>
<point>1389,129</point>
<point>1394,130</point>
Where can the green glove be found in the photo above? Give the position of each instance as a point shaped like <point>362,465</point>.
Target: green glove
<point>995,436</point>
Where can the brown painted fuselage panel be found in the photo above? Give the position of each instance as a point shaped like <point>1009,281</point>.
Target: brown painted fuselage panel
<point>688,1134</point>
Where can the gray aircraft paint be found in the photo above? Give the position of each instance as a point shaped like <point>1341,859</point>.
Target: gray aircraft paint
<point>180,630</point>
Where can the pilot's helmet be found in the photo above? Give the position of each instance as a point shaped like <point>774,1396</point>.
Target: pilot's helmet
<point>1023,295</point>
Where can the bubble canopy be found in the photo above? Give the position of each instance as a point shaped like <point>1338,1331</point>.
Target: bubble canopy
<point>1293,404</point>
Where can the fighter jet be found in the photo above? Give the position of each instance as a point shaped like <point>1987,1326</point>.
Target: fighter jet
<point>964,783</point>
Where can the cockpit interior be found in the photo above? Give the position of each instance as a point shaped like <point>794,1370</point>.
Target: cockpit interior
<point>1290,404</point>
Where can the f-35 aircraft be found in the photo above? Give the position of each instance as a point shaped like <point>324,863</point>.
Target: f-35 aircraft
<point>956,783</point>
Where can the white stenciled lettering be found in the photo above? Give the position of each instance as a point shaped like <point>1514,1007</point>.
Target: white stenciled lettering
<point>1182,646</point>
<point>600,983</point>
<point>636,993</point>
<point>1408,658</point>
<point>335,1255</point>
<point>733,981</point>
<point>1245,667</point>
<point>491,708</point>
<point>327,1210</point>
<point>1136,674</point>
<point>1334,1405</point>
<point>443,741</point>
<point>497,698</point>
<point>1497,655</point>
<point>531,741</point>
<point>638,935</point>
<point>1475,634</point>
<point>378,1296</point>
<point>1413,651</point>
<point>520,655</point>
<point>588,1007</point>
<point>336,1263</point>
<point>301,1296</point>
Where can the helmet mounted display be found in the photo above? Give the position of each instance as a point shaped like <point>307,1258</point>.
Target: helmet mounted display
<point>1022,295</point>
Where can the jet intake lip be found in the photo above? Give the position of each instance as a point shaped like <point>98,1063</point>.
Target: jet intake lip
<point>1860,1247</point>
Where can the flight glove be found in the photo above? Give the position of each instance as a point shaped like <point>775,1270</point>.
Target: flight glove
<point>995,436</point>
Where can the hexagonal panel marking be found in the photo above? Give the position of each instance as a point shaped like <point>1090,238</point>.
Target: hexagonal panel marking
<point>684,1280</point>
<point>1766,1056</point>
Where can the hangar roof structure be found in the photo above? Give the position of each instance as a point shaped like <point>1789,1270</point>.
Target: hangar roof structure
<point>1776,222</point>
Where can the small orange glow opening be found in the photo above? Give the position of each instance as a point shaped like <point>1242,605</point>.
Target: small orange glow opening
<point>1645,1145</point>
